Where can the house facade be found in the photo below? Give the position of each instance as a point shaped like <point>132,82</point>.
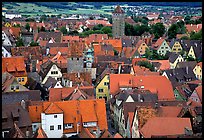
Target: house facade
<point>176,46</point>
<point>163,47</point>
<point>102,89</point>
<point>198,71</point>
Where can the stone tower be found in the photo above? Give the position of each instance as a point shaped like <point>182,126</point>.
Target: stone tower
<point>118,25</point>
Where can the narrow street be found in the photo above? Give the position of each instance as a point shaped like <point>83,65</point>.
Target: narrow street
<point>109,121</point>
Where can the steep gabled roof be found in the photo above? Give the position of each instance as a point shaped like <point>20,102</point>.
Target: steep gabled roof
<point>40,133</point>
<point>173,57</point>
<point>53,109</point>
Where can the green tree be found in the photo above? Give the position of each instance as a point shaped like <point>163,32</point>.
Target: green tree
<point>173,30</point>
<point>27,27</point>
<point>106,30</point>
<point>158,30</point>
<point>190,58</point>
<point>146,64</point>
<point>185,38</point>
<point>98,27</point>
<point>19,42</point>
<point>128,29</point>
<point>196,36</point>
<point>34,43</point>
<point>63,30</point>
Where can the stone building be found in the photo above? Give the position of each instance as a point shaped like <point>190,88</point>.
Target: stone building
<point>118,25</point>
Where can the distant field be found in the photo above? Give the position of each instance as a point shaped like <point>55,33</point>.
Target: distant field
<point>34,9</point>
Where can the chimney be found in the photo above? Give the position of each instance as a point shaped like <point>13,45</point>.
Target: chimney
<point>78,75</point>
<point>187,69</point>
<point>119,68</point>
<point>27,133</point>
<point>23,104</point>
<point>70,84</point>
<point>139,97</point>
<point>97,132</point>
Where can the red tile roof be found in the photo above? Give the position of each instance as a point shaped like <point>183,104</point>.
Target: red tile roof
<point>136,60</point>
<point>163,126</point>
<point>80,111</point>
<point>154,83</point>
<point>199,92</point>
<point>138,70</point>
<point>158,43</point>
<point>65,39</point>
<point>96,38</point>
<point>164,64</point>
<point>58,94</point>
<point>15,31</point>
<point>169,111</point>
<point>116,43</point>
<point>14,65</point>
<point>193,28</point>
<point>117,135</point>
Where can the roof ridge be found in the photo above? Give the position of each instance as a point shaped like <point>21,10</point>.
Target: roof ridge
<point>55,108</point>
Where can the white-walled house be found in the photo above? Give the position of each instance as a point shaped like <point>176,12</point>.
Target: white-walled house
<point>5,52</point>
<point>12,15</point>
<point>69,117</point>
<point>50,69</point>
<point>52,124</point>
<point>5,39</point>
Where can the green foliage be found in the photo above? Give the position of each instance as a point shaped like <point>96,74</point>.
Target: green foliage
<point>73,32</point>
<point>110,35</point>
<point>27,27</point>
<point>153,55</point>
<point>143,20</point>
<point>34,43</point>
<point>190,58</point>
<point>19,42</point>
<point>173,30</point>
<point>98,27</point>
<point>106,30</point>
<point>136,30</point>
<point>158,30</point>
<point>196,36</point>
<point>185,38</point>
<point>146,64</point>
<point>63,30</point>
<point>18,25</point>
<point>115,52</point>
<point>30,20</point>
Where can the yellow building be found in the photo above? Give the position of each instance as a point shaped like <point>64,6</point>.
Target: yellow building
<point>141,47</point>
<point>7,24</point>
<point>198,71</point>
<point>102,88</point>
<point>176,47</point>
<point>22,80</point>
<point>191,53</point>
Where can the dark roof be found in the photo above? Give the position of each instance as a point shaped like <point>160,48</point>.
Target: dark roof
<point>173,42</point>
<point>35,76</point>
<point>57,36</point>
<point>180,74</point>
<point>107,47</point>
<point>51,82</point>
<point>173,57</point>
<point>45,68</point>
<point>12,110</point>
<point>8,48</point>
<point>17,97</point>
<point>185,64</point>
<point>125,69</point>
<point>127,42</point>
<point>101,58</point>
<point>118,10</point>
<point>198,50</point>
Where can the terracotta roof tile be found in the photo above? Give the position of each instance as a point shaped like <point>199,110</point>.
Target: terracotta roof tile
<point>163,126</point>
<point>164,64</point>
<point>169,111</point>
<point>191,28</point>
<point>116,43</point>
<point>14,65</point>
<point>117,135</point>
<point>136,60</point>
<point>65,39</point>
<point>154,83</point>
<point>15,31</point>
<point>52,109</point>
<point>199,92</point>
<point>40,133</point>
<point>138,70</point>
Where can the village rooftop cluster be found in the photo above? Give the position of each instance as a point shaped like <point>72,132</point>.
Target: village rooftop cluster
<point>101,85</point>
